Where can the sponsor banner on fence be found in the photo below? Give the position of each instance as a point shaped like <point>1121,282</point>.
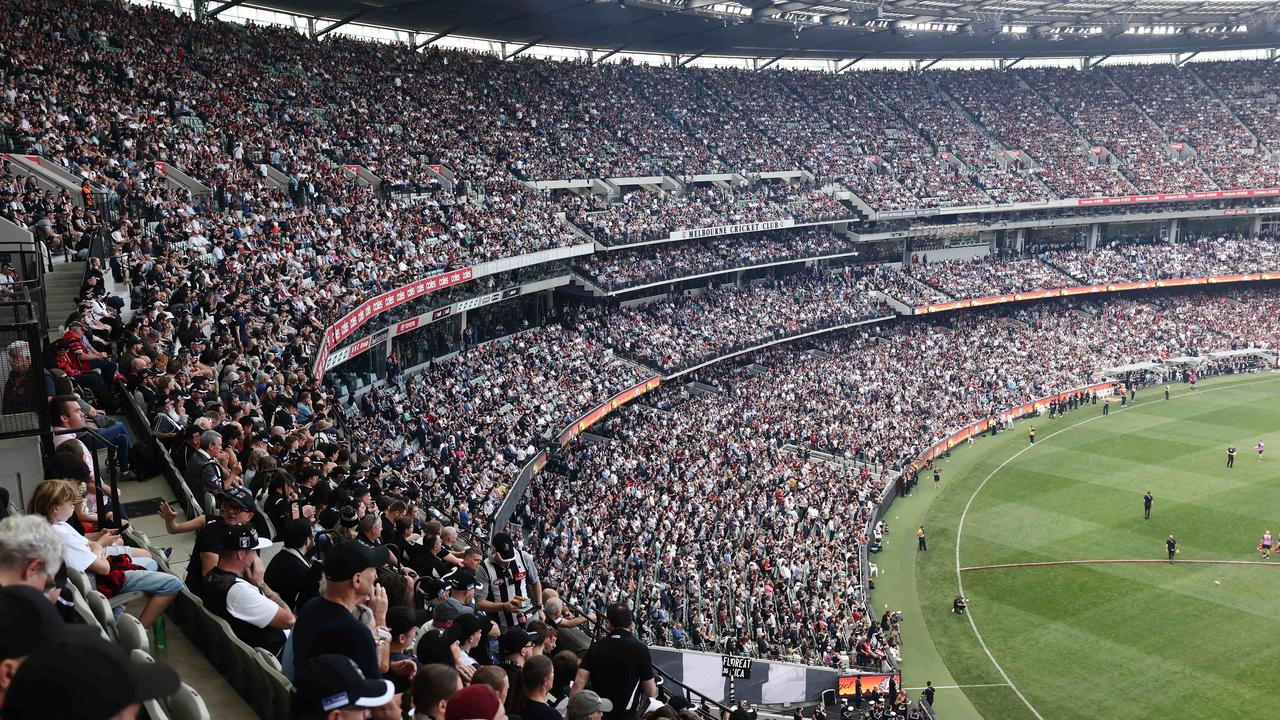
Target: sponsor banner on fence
<point>591,418</point>
<point>731,229</point>
<point>1101,389</point>
<point>375,306</point>
<point>1173,197</point>
<point>1087,289</point>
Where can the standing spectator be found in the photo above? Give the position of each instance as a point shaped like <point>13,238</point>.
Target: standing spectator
<point>538,677</point>
<point>328,623</point>
<point>510,581</point>
<point>618,667</point>
<point>235,591</point>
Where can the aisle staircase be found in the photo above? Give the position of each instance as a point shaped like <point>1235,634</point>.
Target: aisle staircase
<point>61,287</point>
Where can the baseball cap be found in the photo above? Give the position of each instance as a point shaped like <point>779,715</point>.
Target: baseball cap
<point>402,619</point>
<point>105,679</point>
<point>504,546</point>
<point>586,703</point>
<point>334,682</point>
<point>513,640</point>
<point>467,625</point>
<point>29,621</point>
<point>474,702</point>
<point>243,537</point>
<point>461,579</point>
<point>344,561</point>
<point>434,647</point>
<point>240,496</point>
<point>445,611</point>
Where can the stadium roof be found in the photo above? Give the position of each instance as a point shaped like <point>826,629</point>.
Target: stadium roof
<point>836,29</point>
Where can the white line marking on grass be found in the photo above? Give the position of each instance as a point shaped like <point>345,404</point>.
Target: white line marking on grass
<point>1001,466</point>
<point>960,687</point>
<point>1141,561</point>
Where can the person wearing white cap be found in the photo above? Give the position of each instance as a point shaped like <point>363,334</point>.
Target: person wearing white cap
<point>235,591</point>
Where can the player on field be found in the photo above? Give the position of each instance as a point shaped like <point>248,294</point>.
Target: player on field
<point>1261,447</point>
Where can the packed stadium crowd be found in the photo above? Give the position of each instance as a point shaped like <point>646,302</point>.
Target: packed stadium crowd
<point>679,333</point>
<point>627,268</point>
<point>230,291</point>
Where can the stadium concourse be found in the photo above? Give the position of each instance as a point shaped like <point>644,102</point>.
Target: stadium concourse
<point>442,538</point>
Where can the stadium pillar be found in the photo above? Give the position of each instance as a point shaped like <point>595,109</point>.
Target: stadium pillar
<point>1020,239</point>
<point>1095,234</point>
<point>1175,229</point>
<point>1257,225</point>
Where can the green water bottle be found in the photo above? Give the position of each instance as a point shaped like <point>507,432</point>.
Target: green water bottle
<point>157,633</point>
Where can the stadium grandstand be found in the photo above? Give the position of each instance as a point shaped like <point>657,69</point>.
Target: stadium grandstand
<point>592,360</point>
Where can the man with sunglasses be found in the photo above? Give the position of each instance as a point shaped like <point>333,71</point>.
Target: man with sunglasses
<point>236,506</point>
<point>235,591</point>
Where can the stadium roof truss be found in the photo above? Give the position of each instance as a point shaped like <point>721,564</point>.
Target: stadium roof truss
<point>830,29</point>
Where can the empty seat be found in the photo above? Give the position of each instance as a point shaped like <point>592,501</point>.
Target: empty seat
<point>155,708</point>
<point>130,634</point>
<point>186,704</point>
<point>102,612</point>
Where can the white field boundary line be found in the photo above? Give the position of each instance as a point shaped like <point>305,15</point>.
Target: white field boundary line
<point>1140,561</point>
<point>1001,466</point>
<point>960,687</point>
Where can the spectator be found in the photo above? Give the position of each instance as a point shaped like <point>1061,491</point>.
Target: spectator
<point>30,553</point>
<point>293,572</point>
<point>475,702</point>
<point>235,591</point>
<point>327,624</point>
<point>618,668</point>
<point>538,677</point>
<point>24,389</point>
<point>330,687</point>
<point>511,580</point>
<point>108,683</point>
<point>587,705</point>
<point>432,688</point>
<point>205,472</point>
<point>55,501</point>
<point>235,507</point>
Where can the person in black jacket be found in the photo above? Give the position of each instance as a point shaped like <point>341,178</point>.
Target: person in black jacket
<point>293,573</point>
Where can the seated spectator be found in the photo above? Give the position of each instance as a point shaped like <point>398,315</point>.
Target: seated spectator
<point>587,705</point>
<point>330,687</point>
<point>236,591</point>
<point>25,388</point>
<point>475,702</point>
<point>55,500</point>
<point>28,621</point>
<point>108,683</point>
<point>30,553</point>
<point>293,572</point>
<point>205,472</point>
<point>403,622</point>
<point>67,416</point>
<point>432,687</point>
<point>235,507</point>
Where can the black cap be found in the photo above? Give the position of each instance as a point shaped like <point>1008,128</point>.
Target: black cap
<point>504,546</point>
<point>461,579</point>
<point>433,647</point>
<point>333,682</point>
<point>344,561</point>
<point>403,619</point>
<point>240,496</point>
<point>105,681</point>
<point>28,621</point>
<point>467,625</point>
<point>242,537</point>
<point>513,640</point>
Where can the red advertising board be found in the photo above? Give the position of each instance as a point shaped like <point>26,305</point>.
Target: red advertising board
<point>1173,197</point>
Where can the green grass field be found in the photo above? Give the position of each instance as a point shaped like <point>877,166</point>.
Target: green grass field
<point>1100,640</point>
